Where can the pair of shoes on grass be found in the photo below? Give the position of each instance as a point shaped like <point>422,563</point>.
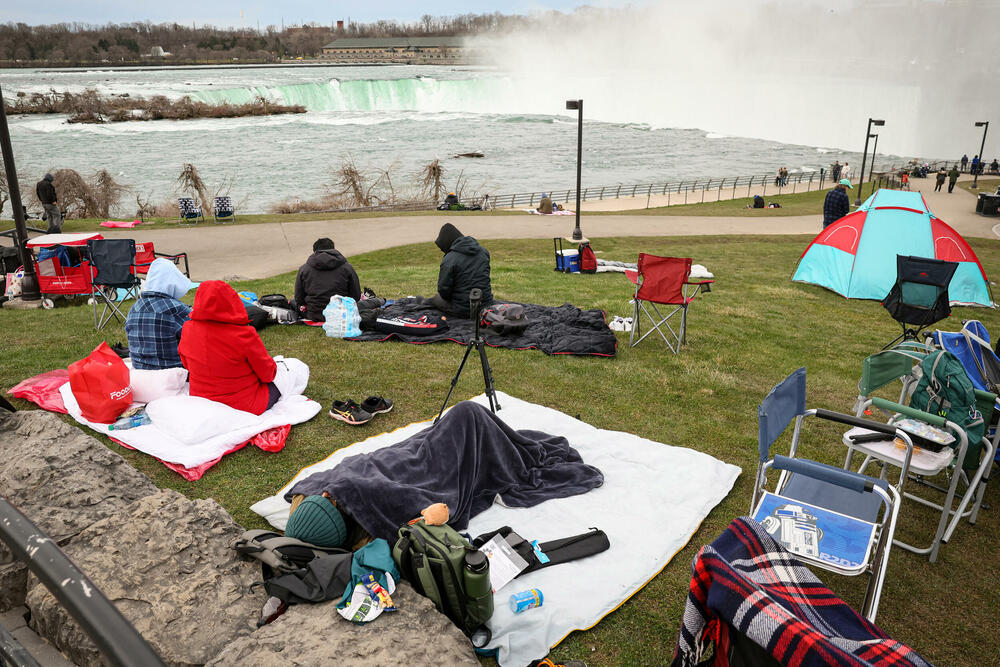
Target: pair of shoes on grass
<point>351,413</point>
<point>620,323</point>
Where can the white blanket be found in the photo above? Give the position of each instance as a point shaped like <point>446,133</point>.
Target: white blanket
<point>653,499</point>
<point>158,442</point>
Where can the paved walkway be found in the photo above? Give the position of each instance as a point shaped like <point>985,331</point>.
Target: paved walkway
<point>264,250</point>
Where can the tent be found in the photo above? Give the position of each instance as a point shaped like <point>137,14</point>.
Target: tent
<point>856,255</point>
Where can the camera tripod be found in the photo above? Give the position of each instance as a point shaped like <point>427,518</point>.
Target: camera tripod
<point>477,342</point>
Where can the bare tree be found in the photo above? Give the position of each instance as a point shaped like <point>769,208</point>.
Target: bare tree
<point>189,182</point>
<point>432,180</point>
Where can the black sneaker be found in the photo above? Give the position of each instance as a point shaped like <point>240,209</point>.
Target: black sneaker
<point>376,405</point>
<point>350,412</point>
<point>368,293</point>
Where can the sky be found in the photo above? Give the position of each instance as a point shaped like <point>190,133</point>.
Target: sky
<point>267,12</point>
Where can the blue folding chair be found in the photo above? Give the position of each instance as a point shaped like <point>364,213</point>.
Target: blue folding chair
<point>838,520</point>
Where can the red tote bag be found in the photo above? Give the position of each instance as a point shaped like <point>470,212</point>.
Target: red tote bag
<point>100,383</point>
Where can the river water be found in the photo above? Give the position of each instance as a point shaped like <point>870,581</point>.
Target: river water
<point>392,117</point>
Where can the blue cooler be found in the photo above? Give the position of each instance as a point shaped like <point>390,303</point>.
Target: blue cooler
<point>568,260</point>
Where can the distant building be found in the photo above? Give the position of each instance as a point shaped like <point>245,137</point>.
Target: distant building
<point>408,50</point>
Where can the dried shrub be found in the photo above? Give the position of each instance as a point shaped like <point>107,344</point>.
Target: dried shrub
<point>432,180</point>
<point>189,183</point>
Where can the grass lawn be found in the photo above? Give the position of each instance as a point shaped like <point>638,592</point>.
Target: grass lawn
<point>753,328</point>
<point>987,184</point>
<point>802,203</point>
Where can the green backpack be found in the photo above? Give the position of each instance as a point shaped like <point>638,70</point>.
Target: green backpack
<point>442,565</point>
<point>945,390</point>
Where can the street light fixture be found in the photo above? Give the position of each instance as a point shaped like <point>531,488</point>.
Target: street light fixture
<point>578,105</point>
<point>985,124</point>
<point>871,169</point>
<point>868,134</point>
<point>29,283</point>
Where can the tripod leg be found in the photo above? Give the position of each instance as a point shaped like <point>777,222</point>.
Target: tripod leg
<point>454,382</point>
<point>491,392</point>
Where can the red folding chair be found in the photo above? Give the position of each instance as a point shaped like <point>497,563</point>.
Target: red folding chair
<point>663,281</point>
<point>145,254</point>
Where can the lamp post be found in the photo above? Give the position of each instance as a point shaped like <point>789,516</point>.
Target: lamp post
<point>578,105</point>
<point>29,284</point>
<point>868,134</point>
<point>871,169</point>
<point>985,124</point>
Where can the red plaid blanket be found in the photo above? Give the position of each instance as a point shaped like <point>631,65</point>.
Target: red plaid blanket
<point>745,582</point>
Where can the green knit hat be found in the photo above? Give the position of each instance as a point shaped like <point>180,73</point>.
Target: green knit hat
<point>318,522</point>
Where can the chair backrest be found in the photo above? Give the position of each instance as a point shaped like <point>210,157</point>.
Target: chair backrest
<point>112,261</point>
<point>187,206</point>
<point>920,295</point>
<point>662,278</point>
<point>972,347</point>
<point>885,367</point>
<point>223,205</point>
<point>785,402</point>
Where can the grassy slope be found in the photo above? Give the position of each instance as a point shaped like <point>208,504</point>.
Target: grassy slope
<point>754,328</point>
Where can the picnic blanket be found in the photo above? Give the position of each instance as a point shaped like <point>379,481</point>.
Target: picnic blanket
<point>747,582</point>
<point>535,211</point>
<point>466,461</point>
<point>653,499</point>
<point>561,329</point>
<point>216,434</point>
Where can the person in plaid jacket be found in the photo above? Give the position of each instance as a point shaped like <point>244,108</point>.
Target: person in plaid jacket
<point>153,326</point>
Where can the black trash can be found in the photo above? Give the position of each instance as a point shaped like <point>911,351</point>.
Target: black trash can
<point>991,205</point>
<point>980,201</point>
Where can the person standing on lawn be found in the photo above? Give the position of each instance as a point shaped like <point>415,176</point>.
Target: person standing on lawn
<point>47,195</point>
<point>837,204</point>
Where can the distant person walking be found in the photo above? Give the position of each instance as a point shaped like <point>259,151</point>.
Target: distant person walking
<point>904,181</point>
<point>837,204</point>
<point>47,195</point>
<point>845,172</point>
<point>965,162</point>
<point>941,175</point>
<point>835,170</point>
<point>952,178</point>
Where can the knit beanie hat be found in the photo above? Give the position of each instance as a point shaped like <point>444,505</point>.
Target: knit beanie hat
<point>318,522</point>
<point>323,244</point>
<point>449,234</point>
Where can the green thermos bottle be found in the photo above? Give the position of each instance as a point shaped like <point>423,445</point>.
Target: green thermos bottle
<point>478,592</point>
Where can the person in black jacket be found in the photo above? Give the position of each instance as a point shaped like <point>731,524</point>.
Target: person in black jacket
<point>326,273</point>
<point>466,266</point>
<point>47,196</point>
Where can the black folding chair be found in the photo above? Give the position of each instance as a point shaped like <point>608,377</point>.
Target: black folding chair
<point>920,296</point>
<point>112,263</point>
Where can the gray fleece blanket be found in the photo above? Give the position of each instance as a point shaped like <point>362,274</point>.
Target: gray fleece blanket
<point>465,461</point>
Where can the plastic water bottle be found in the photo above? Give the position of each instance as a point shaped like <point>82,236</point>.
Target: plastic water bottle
<point>139,419</point>
<point>526,600</point>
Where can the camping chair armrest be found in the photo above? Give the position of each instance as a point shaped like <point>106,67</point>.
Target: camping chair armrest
<point>851,420</point>
<point>933,420</point>
<point>826,473</point>
<point>702,285</point>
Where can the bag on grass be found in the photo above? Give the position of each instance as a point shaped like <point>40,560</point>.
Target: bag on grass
<point>588,260</point>
<point>945,390</point>
<point>100,384</point>
<point>342,317</point>
<point>432,559</point>
<point>506,319</point>
<point>275,301</point>
<point>12,288</point>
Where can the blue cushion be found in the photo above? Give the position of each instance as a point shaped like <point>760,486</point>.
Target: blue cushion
<point>863,506</point>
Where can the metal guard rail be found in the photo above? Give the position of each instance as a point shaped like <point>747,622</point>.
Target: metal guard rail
<point>119,642</point>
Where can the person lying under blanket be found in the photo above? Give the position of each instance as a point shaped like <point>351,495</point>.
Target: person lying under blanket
<point>465,461</point>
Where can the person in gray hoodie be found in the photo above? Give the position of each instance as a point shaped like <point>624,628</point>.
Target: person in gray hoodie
<point>466,266</point>
<point>153,326</point>
<point>326,273</point>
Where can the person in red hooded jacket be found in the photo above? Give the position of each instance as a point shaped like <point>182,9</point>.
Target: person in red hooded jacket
<point>225,357</point>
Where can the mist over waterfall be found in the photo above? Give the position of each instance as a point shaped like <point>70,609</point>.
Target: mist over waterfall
<point>792,71</point>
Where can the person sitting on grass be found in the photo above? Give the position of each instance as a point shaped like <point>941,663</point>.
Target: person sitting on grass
<point>226,359</point>
<point>153,326</point>
<point>465,267</point>
<point>326,273</point>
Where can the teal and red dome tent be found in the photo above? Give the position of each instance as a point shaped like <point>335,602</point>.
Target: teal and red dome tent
<point>856,255</point>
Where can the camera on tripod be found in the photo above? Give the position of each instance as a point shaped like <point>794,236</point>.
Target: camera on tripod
<point>475,306</point>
